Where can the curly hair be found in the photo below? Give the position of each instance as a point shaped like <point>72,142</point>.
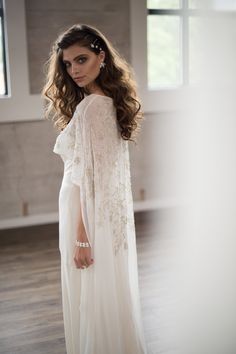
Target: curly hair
<point>116,81</point>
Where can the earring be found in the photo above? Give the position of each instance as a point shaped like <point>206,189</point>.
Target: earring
<point>102,65</point>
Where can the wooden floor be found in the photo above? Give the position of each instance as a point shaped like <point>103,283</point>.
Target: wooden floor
<point>30,295</point>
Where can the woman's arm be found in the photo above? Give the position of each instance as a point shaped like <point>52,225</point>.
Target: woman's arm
<point>82,255</point>
<point>81,233</point>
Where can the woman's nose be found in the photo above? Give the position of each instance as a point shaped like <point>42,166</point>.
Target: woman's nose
<point>74,69</point>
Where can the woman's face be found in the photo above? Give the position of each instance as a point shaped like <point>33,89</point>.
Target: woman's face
<point>82,64</point>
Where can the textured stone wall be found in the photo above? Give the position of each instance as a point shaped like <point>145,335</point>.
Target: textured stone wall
<point>47,18</point>
<point>29,172</point>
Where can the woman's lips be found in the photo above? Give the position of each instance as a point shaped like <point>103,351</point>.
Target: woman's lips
<point>79,78</point>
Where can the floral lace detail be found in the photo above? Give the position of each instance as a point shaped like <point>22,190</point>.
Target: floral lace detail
<point>65,141</point>
<point>116,210</point>
<point>101,167</point>
<point>112,185</point>
<point>69,146</point>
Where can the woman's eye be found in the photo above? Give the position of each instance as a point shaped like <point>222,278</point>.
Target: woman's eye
<point>82,60</point>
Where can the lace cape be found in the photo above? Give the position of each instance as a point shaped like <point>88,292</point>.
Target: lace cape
<point>101,168</point>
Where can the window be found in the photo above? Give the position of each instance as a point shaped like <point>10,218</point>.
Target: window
<point>3,70</point>
<point>171,33</point>
<point>160,88</point>
<point>224,5</point>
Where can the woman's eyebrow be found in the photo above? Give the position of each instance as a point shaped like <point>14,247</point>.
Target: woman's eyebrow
<point>66,61</point>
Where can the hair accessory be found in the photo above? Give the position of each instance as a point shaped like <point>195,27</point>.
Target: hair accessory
<point>96,45</point>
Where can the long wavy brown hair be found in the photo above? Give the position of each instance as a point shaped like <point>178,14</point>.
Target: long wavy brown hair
<point>116,80</point>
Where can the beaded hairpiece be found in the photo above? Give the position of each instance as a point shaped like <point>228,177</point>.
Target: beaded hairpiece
<point>96,44</point>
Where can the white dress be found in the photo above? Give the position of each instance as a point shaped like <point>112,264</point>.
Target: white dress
<point>101,303</point>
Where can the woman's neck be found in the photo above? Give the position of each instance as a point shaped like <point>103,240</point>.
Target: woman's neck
<point>93,89</point>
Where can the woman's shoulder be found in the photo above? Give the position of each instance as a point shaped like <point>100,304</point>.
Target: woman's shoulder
<point>98,96</point>
<point>95,110</point>
<point>94,100</point>
<point>95,105</point>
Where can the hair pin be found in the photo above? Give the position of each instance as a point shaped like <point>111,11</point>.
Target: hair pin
<point>93,45</point>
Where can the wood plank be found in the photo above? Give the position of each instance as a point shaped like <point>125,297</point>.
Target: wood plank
<point>30,295</point>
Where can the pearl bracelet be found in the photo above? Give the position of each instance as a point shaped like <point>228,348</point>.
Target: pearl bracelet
<point>82,244</point>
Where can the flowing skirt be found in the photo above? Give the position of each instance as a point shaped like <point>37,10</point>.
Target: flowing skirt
<point>101,308</point>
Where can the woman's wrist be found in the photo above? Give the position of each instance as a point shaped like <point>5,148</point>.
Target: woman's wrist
<point>82,244</point>
<point>82,237</point>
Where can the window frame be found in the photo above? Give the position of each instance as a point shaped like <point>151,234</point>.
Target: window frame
<point>184,12</point>
<point>184,34</point>
<point>4,57</point>
<point>19,105</point>
<point>163,98</point>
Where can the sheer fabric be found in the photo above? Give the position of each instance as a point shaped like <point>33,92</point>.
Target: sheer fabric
<point>101,304</point>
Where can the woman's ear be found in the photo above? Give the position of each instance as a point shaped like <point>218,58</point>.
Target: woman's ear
<point>102,55</point>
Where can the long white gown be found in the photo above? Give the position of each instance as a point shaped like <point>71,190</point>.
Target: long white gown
<point>101,303</point>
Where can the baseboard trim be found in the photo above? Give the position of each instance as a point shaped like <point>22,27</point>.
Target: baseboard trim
<point>41,219</point>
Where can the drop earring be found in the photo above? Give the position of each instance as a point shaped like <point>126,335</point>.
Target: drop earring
<point>102,65</point>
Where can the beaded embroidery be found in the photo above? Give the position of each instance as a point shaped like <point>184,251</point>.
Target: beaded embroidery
<point>100,166</point>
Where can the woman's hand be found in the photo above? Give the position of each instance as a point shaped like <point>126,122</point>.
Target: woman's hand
<point>82,256</point>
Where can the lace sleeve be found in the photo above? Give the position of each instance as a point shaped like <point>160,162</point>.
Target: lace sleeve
<point>106,179</point>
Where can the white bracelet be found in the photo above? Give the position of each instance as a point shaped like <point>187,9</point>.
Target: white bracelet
<point>82,244</point>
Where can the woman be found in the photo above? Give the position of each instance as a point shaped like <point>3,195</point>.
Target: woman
<point>92,99</point>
